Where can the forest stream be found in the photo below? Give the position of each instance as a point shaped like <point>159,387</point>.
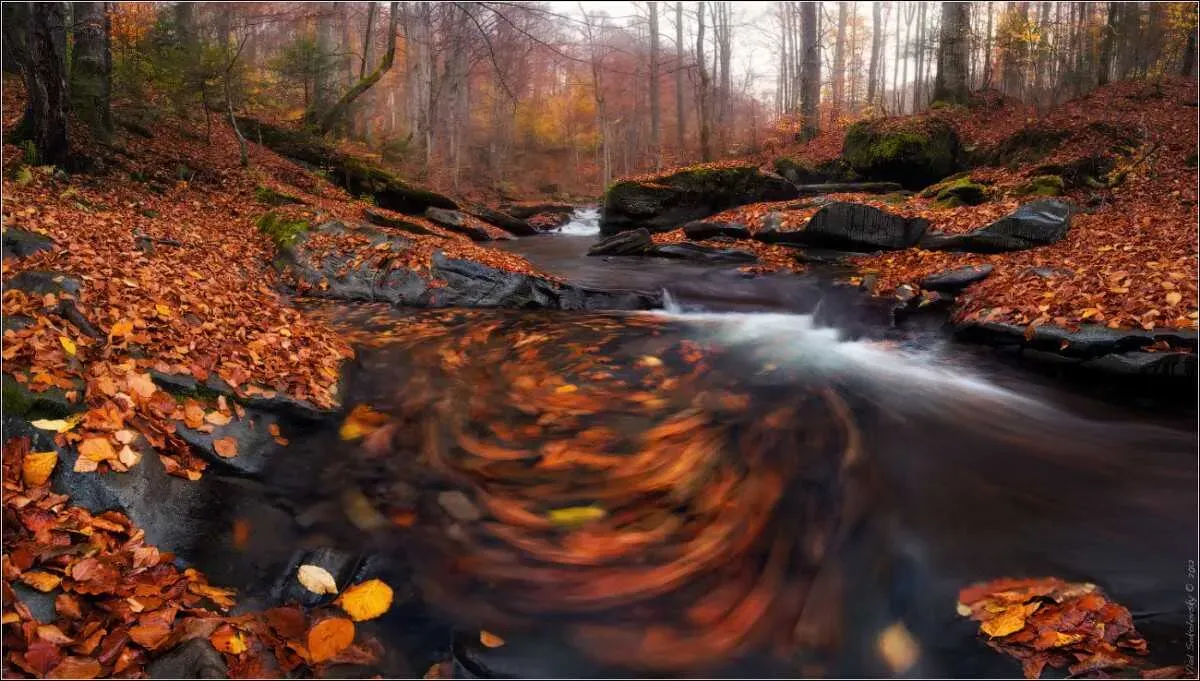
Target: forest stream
<point>761,479</point>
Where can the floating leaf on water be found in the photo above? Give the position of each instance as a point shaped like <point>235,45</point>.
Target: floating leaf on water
<point>366,601</point>
<point>490,640</point>
<point>316,579</point>
<point>575,515</point>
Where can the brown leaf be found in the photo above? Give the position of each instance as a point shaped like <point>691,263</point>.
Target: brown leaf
<point>76,668</point>
<point>97,449</point>
<point>329,637</point>
<point>226,447</point>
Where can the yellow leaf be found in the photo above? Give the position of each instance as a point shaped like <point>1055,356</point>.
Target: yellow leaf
<point>329,637</point>
<point>490,640</point>
<point>366,601</point>
<point>575,515</point>
<point>163,311</point>
<point>1174,297</point>
<point>316,579</point>
<point>58,425</point>
<point>898,648</point>
<point>361,422</point>
<point>568,388</point>
<point>651,361</point>
<point>68,345</point>
<point>1010,621</point>
<point>37,467</point>
<point>42,581</point>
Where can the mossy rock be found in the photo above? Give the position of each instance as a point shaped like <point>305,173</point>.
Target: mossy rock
<point>1042,185</point>
<point>283,231</point>
<point>17,399</point>
<point>1190,161</point>
<point>667,201</point>
<point>803,172</point>
<point>1027,145</point>
<point>959,190</point>
<point>272,197</point>
<point>914,152</point>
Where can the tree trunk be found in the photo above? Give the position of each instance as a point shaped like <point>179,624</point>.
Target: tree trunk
<point>1104,67</point>
<point>703,96</point>
<point>44,68</point>
<point>1188,68</point>
<point>91,69</point>
<point>919,48</point>
<point>839,61</point>
<point>951,82</point>
<point>896,63</point>
<point>655,104</point>
<point>336,112</point>
<point>680,111</point>
<point>810,76</point>
<point>323,82</point>
<point>876,47</point>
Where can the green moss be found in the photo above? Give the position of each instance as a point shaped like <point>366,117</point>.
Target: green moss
<point>958,190</point>
<point>1042,185</point>
<point>916,153</point>
<point>283,232</point>
<point>16,399</point>
<point>273,198</point>
<point>19,400</point>
<point>29,153</point>
<point>24,175</point>
<point>894,198</point>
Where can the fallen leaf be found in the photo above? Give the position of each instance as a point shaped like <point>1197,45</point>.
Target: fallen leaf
<point>328,637</point>
<point>97,449</point>
<point>1174,298</point>
<point>898,648</point>
<point>316,579</point>
<point>366,601</point>
<point>68,345</point>
<point>76,668</point>
<point>216,418</point>
<point>490,640</point>
<point>122,328</point>
<point>226,447</point>
<point>58,425</point>
<point>52,634</point>
<point>226,639</point>
<point>575,515</point>
<point>37,467</point>
<point>360,422</point>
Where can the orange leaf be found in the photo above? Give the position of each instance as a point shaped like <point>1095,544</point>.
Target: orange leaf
<point>228,640</point>
<point>97,449</point>
<point>37,467</point>
<point>329,637</point>
<point>76,668</point>
<point>42,581</point>
<point>226,447</point>
<point>366,601</point>
<point>489,639</point>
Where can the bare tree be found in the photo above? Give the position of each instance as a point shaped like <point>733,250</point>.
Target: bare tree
<point>839,61</point>
<point>876,49</point>
<point>91,68</point>
<point>810,76</point>
<point>655,106</point>
<point>703,94</point>
<point>337,111</point>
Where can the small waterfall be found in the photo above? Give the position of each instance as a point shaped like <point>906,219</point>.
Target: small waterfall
<point>584,222</point>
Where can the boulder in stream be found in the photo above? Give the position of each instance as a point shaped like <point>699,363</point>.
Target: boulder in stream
<point>456,222</point>
<point>858,227</point>
<point>1037,223</point>
<point>704,254</point>
<point>699,230</point>
<point>666,201</point>
<point>955,280</point>
<point>513,225</point>
<point>633,242</point>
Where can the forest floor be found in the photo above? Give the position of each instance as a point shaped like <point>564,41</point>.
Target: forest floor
<point>1130,257</point>
<point>157,265</point>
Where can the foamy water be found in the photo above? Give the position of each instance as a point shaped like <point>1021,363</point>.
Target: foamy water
<point>893,374</point>
<point>584,222</point>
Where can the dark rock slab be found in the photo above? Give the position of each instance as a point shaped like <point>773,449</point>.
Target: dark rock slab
<point>194,659</point>
<point>1162,364</point>
<point>1037,223</point>
<point>508,223</point>
<point>704,254</point>
<point>376,218</point>
<point>41,282</point>
<point>41,605</point>
<point>20,400</point>
<point>854,226</point>
<point>1089,342</point>
<point>454,221</point>
<point>699,230</point>
<point>845,187</point>
<point>667,201</point>
<point>341,564</point>
<point>18,243</point>
<point>255,443</point>
<point>15,322</point>
<point>466,283</point>
<point>956,279</point>
<point>633,242</point>
<point>525,211</point>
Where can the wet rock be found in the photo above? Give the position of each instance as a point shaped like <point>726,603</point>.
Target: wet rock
<point>704,254</point>
<point>255,444</point>
<point>699,230</point>
<point>773,222</point>
<point>341,564</point>
<point>632,242</point>
<point>18,243</point>
<point>465,283</point>
<point>41,282</point>
<point>455,222</point>
<point>1038,223</point>
<point>508,223</point>
<point>1163,364</point>
<point>854,226</point>
<point>15,322</point>
<point>41,605</point>
<point>194,659</point>
<point>376,218</point>
<point>957,279</point>
<point>525,211</point>
<point>798,171</point>
<point>667,201</point>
